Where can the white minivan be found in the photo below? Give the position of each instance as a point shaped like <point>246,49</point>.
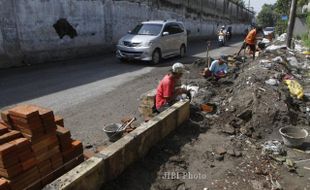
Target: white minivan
<point>152,41</point>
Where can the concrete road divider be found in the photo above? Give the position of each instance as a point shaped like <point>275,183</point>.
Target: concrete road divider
<point>112,161</point>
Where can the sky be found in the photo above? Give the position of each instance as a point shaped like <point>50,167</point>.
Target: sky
<point>257,4</point>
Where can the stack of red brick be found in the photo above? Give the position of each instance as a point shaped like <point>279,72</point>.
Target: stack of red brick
<point>35,148</point>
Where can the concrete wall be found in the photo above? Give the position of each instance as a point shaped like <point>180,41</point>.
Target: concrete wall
<point>112,161</point>
<point>27,34</point>
<point>300,27</point>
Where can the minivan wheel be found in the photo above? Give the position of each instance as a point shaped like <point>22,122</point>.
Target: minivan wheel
<point>156,57</point>
<point>182,51</point>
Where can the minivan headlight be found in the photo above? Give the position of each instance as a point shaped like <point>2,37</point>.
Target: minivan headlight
<point>150,44</point>
<point>146,44</point>
<point>120,42</point>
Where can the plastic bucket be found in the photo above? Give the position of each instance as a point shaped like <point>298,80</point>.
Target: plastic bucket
<point>112,131</point>
<point>293,136</point>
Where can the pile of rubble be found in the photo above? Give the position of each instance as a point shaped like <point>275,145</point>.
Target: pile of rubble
<point>35,148</point>
<point>253,102</point>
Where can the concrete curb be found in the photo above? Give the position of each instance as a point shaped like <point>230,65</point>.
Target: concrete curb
<point>112,161</point>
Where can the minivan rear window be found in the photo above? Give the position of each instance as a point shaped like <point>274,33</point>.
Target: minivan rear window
<point>147,29</point>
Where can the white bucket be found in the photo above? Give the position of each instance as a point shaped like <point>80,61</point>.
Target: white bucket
<point>293,136</point>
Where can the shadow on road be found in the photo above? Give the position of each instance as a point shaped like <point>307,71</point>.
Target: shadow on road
<point>26,83</point>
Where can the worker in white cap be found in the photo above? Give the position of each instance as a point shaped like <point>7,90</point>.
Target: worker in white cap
<point>166,92</point>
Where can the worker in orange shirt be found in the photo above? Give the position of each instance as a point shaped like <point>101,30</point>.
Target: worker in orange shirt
<point>250,40</point>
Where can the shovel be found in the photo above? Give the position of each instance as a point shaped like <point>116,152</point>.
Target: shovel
<point>123,127</point>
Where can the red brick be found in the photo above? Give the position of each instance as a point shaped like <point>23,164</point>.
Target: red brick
<point>11,135</point>
<point>4,184</point>
<point>48,120</point>
<point>46,114</point>
<point>50,129</point>
<point>34,137</point>
<point>30,133</point>
<point>48,140</point>
<point>38,152</point>
<point>5,124</point>
<point>21,143</point>
<point>9,160</point>
<point>11,171</point>
<point>26,179</point>
<point>30,163</point>
<point>75,151</point>
<point>25,155</point>
<point>25,111</point>
<point>59,121</point>
<point>3,128</point>
<point>47,154</point>
<point>45,167</point>
<point>6,117</point>
<point>42,138</point>
<point>63,132</point>
<point>7,148</point>
<point>64,138</point>
<point>77,145</point>
<point>27,123</point>
<point>53,145</point>
<point>56,161</point>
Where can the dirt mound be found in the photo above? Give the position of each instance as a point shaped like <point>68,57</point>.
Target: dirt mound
<point>248,103</point>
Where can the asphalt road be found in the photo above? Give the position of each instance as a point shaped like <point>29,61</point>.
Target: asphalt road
<point>92,92</point>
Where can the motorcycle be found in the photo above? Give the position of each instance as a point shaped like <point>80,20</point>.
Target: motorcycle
<point>228,35</point>
<point>221,39</point>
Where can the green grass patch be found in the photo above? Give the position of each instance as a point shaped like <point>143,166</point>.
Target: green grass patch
<point>306,40</point>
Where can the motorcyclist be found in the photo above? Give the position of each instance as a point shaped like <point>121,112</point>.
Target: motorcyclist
<point>222,32</point>
<point>229,32</point>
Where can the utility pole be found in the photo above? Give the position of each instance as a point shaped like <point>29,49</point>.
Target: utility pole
<point>291,23</point>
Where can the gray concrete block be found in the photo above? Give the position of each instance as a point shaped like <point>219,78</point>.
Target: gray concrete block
<point>112,161</point>
<point>169,121</point>
<point>183,112</point>
<point>88,174</point>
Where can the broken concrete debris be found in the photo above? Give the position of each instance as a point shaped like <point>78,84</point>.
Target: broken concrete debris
<point>273,147</point>
<point>228,129</point>
<point>220,150</point>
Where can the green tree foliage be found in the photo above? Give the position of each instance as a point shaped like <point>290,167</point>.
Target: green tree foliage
<point>267,16</point>
<point>282,8</point>
<point>302,2</point>
<point>306,36</point>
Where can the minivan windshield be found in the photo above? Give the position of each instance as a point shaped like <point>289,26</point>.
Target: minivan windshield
<point>269,29</point>
<point>147,29</point>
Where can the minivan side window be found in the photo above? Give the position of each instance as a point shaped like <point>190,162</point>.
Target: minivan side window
<point>168,29</point>
<point>173,29</point>
<point>178,28</point>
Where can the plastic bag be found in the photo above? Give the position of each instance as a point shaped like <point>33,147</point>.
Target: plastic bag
<point>295,88</point>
